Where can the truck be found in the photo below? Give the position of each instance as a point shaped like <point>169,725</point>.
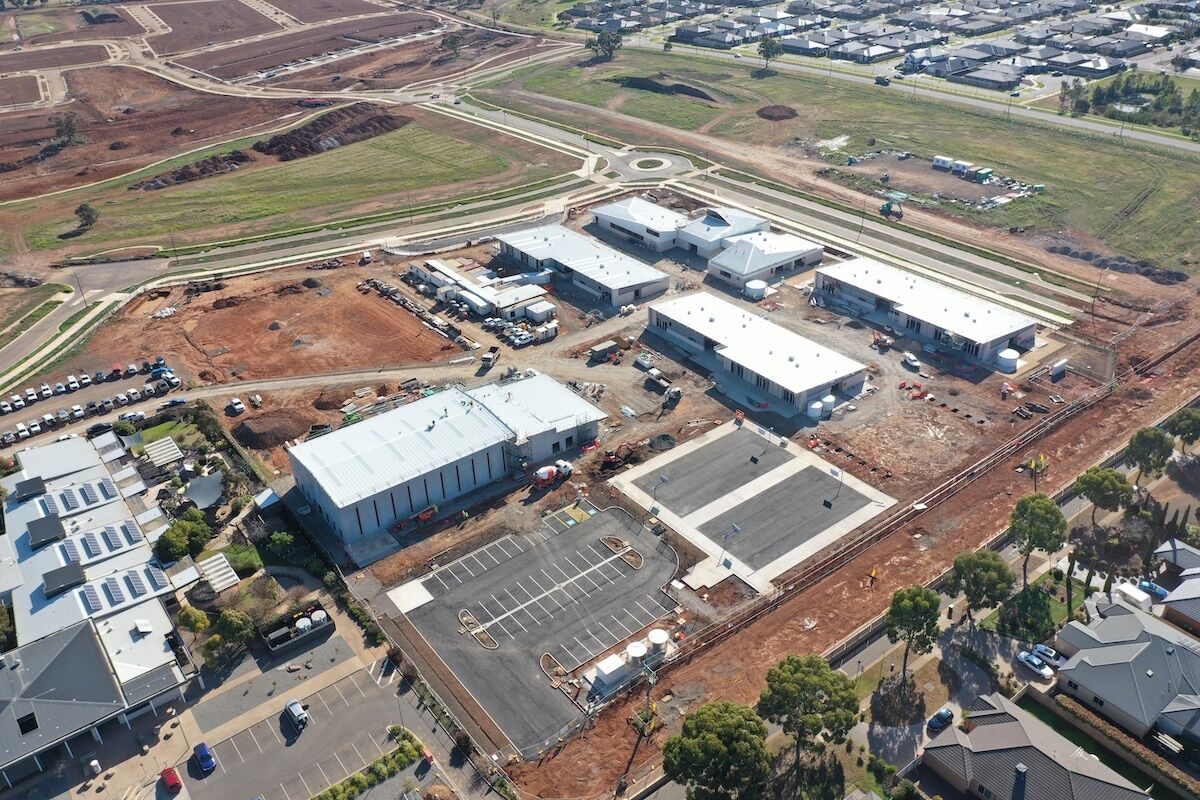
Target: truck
<point>490,358</point>
<point>883,80</point>
<point>366,258</point>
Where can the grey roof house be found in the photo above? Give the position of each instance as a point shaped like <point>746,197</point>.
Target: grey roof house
<point>1007,754</point>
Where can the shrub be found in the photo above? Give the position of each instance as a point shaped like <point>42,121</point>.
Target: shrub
<point>331,580</point>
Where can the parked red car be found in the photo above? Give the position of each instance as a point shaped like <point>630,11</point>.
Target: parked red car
<point>171,780</point>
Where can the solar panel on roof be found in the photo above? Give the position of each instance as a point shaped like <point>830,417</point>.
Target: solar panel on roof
<point>51,505</point>
<point>71,550</point>
<point>136,585</point>
<point>112,538</point>
<point>91,543</point>
<point>157,577</point>
<point>70,501</point>
<point>108,487</point>
<point>89,494</point>
<point>132,532</point>
<point>91,598</point>
<point>114,590</point>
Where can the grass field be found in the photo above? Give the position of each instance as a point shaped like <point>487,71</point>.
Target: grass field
<point>16,303</point>
<point>536,13</point>
<point>373,175</point>
<point>28,321</point>
<point>40,25</point>
<point>1141,200</point>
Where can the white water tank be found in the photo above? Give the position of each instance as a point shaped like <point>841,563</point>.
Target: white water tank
<point>755,290</point>
<point>319,617</point>
<point>303,624</point>
<point>635,653</point>
<point>658,641</point>
<point>1006,360</point>
<point>827,403</point>
<point>816,410</point>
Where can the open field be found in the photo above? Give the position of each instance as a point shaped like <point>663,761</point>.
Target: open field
<point>127,119</point>
<point>61,24</point>
<point>318,10</point>
<point>1101,192</point>
<point>417,61</point>
<point>246,59</point>
<point>433,157</point>
<point>206,22</point>
<point>53,57</point>
<point>537,13</point>
<point>16,303</point>
<point>22,89</point>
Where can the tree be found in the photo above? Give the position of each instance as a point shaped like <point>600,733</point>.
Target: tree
<point>1071,583</point>
<point>770,49</point>
<point>668,47</point>
<point>606,45</point>
<point>453,42</point>
<point>809,699</point>
<point>1185,424</point>
<point>87,215</point>
<point>281,541</point>
<point>193,619</point>
<point>66,127</point>
<point>1149,450</point>
<point>1105,487</point>
<point>194,514</point>
<point>124,428</point>
<point>1037,524</point>
<point>913,619</point>
<point>235,626</point>
<point>213,646</point>
<point>721,754</point>
<point>172,545</point>
<point>983,577</point>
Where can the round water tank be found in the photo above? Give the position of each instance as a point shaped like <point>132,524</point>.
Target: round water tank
<point>1007,360</point>
<point>319,616</point>
<point>756,290</point>
<point>658,640</point>
<point>636,651</point>
<point>303,624</point>
<point>816,410</point>
<point>828,402</point>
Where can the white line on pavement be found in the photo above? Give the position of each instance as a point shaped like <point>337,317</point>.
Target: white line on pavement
<point>339,760</point>
<point>285,792</point>
<point>339,691</point>
<point>360,755</point>
<point>356,686</point>
<point>237,750</point>
<point>255,738</point>
<point>327,708</point>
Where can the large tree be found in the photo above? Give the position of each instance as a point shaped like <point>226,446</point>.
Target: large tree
<point>1185,424</point>
<point>809,699</point>
<point>983,577</point>
<point>721,754</point>
<point>236,626</point>
<point>606,45</point>
<point>1105,487</point>
<point>193,619</point>
<point>770,49</point>
<point>87,215</point>
<point>1149,450</point>
<point>1037,524</point>
<point>913,619</point>
<point>452,42</point>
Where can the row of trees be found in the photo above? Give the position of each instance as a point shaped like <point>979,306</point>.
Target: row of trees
<point>1156,100</point>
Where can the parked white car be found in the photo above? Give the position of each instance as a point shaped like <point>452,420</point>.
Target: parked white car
<point>1036,665</point>
<point>237,406</point>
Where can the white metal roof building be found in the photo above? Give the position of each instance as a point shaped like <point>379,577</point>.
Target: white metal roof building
<point>485,294</point>
<point>761,255</point>
<point>614,278</point>
<point>926,309</point>
<point>372,476</point>
<point>641,222</point>
<point>706,235</point>
<point>776,362</point>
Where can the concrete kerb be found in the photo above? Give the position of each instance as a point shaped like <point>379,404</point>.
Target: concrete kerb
<point>537,138</point>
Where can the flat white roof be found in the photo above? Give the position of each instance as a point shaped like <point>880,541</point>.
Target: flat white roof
<point>386,450</point>
<point>720,222</point>
<point>136,639</point>
<point>596,261</point>
<point>536,404</point>
<point>785,358</point>
<point>749,253</point>
<point>636,211</point>
<point>961,313</point>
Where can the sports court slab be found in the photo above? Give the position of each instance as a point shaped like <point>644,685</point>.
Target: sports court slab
<point>755,503</point>
<point>571,590</point>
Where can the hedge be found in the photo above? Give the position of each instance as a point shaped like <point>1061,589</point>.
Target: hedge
<point>408,750</point>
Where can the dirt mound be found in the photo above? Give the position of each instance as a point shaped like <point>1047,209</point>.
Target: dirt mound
<point>659,85</point>
<point>204,168</point>
<point>271,429</point>
<point>327,401</point>
<point>290,288</point>
<point>275,325</point>
<point>777,113</point>
<point>225,302</point>
<point>312,283</point>
<point>335,129</point>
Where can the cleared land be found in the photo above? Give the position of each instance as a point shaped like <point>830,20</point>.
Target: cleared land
<point>63,24</point>
<point>318,10</point>
<point>1101,193</point>
<point>127,119</point>
<point>245,59</point>
<point>22,89</point>
<point>53,57</point>
<point>207,22</point>
<point>430,158</point>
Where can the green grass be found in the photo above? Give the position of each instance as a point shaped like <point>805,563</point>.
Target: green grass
<point>28,321</point>
<point>26,301</point>
<point>1140,199</point>
<point>277,196</point>
<point>535,13</point>
<point>39,25</point>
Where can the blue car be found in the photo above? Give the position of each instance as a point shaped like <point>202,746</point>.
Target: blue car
<point>206,759</point>
<point>941,720</point>
<point>1152,588</point>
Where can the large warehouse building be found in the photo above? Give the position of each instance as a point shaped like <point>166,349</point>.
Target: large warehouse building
<point>640,222</point>
<point>612,277</point>
<point>927,310</point>
<point>366,478</point>
<point>783,368</point>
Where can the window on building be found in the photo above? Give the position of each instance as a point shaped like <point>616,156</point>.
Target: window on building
<point>662,322</point>
<point>1073,684</point>
<point>985,792</point>
<point>789,396</point>
<point>27,723</point>
<point>913,325</point>
<point>739,370</point>
<point>570,441</point>
<point>761,382</point>
<point>725,274</point>
<point>1097,700</point>
<point>556,447</point>
<point>971,348</point>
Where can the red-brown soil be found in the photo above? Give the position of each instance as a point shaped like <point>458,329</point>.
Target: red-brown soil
<point>50,58</point>
<point>78,29</point>
<point>245,59</point>
<point>22,89</point>
<point>101,96</point>
<point>317,10</point>
<point>206,21</point>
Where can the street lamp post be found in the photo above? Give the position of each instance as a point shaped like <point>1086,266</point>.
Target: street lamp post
<point>733,529</point>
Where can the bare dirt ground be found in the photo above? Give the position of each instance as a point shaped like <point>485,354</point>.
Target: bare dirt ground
<point>245,59</point>
<point>22,89</point>
<point>419,61</point>
<point>916,176</point>
<point>53,57</point>
<point>272,325</point>
<point>151,117</point>
<point>206,22</point>
<point>318,10</point>
<point>76,28</point>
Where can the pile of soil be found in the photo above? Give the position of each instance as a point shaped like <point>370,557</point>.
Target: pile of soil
<point>269,430</point>
<point>225,302</point>
<point>312,283</point>
<point>777,113</point>
<point>204,168</point>
<point>328,401</point>
<point>659,85</point>
<point>290,288</point>
<point>275,325</point>
<point>337,128</point>
<point>1163,277</point>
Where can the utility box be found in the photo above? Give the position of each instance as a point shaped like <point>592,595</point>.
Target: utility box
<point>603,350</point>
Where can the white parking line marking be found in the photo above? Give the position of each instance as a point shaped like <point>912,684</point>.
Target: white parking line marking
<point>237,750</point>
<point>492,555</point>
<point>514,619</point>
<point>442,582</point>
<point>597,638</point>
<point>339,691</point>
<point>343,763</point>
<point>615,638</point>
<point>360,755</point>
<point>586,651</point>
<point>622,624</point>
<point>323,775</point>
<point>643,608</point>
<point>255,738</point>
<point>273,733</point>
<point>327,708</point>
<point>513,541</point>
<point>285,792</point>
<point>377,745</point>
<point>356,686</point>
<point>500,544</point>
<point>306,787</point>
<point>482,567</point>
<point>501,624</point>
<point>463,564</point>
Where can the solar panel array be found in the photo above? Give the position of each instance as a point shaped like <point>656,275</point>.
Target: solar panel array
<point>51,504</point>
<point>108,487</point>
<point>70,501</point>
<point>157,577</point>
<point>89,494</point>
<point>71,550</point>
<point>114,590</point>
<point>112,538</point>
<point>91,543</point>
<point>91,598</point>
<point>132,532</point>
<point>136,585</point>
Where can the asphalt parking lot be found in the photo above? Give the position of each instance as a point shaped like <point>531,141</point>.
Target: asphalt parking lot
<point>347,731</point>
<point>560,591</point>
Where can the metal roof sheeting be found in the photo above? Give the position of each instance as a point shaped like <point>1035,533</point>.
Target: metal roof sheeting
<point>578,253</point>
<point>750,253</point>
<point>636,211</point>
<point>536,404</point>
<point>163,451</point>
